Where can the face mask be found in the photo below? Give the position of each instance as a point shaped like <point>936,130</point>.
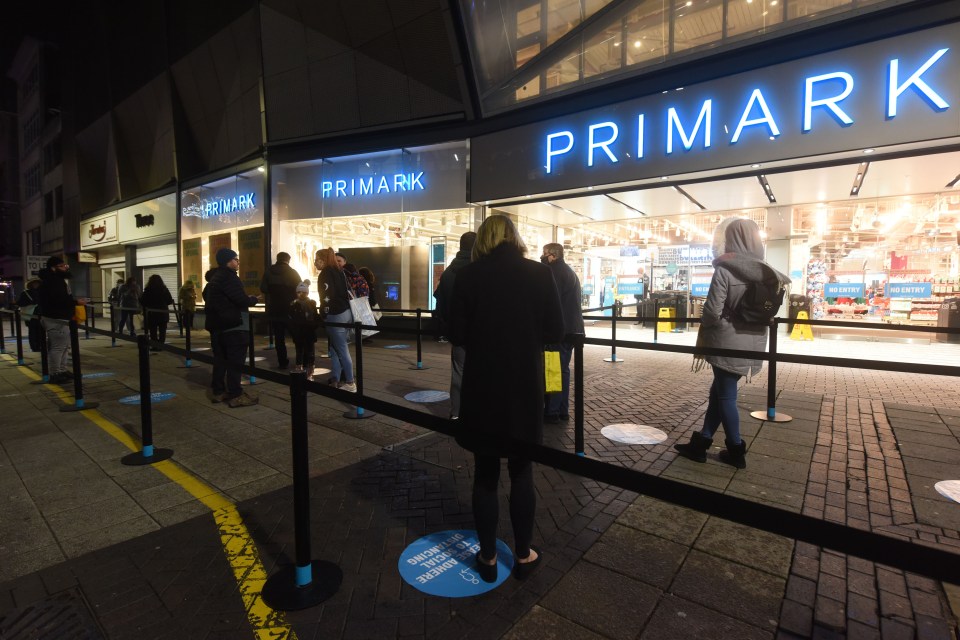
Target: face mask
<point>545,259</point>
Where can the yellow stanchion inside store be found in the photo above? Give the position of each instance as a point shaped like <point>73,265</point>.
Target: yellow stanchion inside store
<point>801,331</point>
<point>667,312</point>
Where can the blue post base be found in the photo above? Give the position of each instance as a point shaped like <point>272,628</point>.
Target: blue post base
<point>141,458</point>
<point>358,413</point>
<point>79,405</point>
<point>419,367</point>
<point>770,415</point>
<point>283,590</point>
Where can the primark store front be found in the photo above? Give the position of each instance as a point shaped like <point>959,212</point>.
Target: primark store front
<point>847,160</point>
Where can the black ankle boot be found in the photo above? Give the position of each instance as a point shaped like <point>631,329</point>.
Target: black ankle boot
<point>735,454</point>
<point>696,449</point>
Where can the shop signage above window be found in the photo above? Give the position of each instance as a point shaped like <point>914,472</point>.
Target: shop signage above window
<point>153,220</point>
<point>889,92</point>
<point>99,231</point>
<point>217,206</point>
<point>396,183</point>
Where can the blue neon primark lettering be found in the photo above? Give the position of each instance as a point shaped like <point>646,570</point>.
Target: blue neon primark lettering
<point>396,183</point>
<point>221,206</point>
<point>692,126</point>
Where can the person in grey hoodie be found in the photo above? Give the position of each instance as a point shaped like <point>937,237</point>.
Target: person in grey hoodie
<point>738,262</point>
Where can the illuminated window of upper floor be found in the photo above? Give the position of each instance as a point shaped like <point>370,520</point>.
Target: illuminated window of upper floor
<point>523,50</point>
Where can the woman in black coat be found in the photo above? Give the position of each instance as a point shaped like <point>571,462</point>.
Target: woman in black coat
<point>155,301</point>
<point>504,309</point>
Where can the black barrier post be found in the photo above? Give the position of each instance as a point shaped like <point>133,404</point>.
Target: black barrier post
<point>13,330</point>
<point>270,344</point>
<point>44,362</point>
<point>613,336</point>
<point>3,339</point>
<point>20,362</point>
<point>359,412</point>
<point>656,316</point>
<point>148,455</point>
<point>113,325</point>
<point>87,309</point>
<point>309,582</point>
<point>78,402</point>
<point>252,379</point>
<point>578,395</point>
<point>771,415</point>
<point>187,363</point>
<point>419,366</point>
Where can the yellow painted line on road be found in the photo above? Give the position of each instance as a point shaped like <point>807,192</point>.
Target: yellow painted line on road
<point>238,545</point>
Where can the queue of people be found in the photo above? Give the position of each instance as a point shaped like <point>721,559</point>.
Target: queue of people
<point>489,276</point>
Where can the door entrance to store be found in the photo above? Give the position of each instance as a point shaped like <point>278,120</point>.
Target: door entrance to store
<point>870,241</point>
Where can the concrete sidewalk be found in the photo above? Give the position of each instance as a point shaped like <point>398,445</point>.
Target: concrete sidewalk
<point>93,548</point>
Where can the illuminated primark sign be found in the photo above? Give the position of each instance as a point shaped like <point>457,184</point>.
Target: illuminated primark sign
<point>213,207</point>
<point>824,93</point>
<point>896,91</point>
<point>386,184</point>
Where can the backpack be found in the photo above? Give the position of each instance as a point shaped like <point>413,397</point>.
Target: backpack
<point>762,300</point>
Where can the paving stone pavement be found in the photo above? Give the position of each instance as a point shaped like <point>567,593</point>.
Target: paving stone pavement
<point>147,558</point>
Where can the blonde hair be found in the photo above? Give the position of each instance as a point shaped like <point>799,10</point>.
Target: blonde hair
<point>496,230</point>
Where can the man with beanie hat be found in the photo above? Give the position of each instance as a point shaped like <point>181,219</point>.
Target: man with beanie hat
<point>443,295</point>
<point>57,307</point>
<point>227,320</point>
<point>279,285</point>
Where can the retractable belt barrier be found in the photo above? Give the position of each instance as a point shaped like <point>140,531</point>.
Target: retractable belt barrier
<point>914,557</point>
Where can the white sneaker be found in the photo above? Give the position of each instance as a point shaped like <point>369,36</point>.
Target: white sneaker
<point>349,386</point>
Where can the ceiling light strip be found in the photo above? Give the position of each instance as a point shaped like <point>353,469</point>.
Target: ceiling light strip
<point>690,198</point>
<point>642,213</point>
<point>858,179</point>
<point>767,189</point>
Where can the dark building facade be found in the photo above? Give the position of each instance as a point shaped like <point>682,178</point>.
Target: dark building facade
<point>290,125</point>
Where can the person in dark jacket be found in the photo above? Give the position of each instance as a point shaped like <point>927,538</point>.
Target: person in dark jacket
<point>279,285</point>
<point>357,284</point>
<point>739,261</point>
<point>57,307</point>
<point>335,307</point>
<point>29,302</point>
<point>227,321</point>
<point>443,296</point>
<point>129,305</point>
<point>156,300</point>
<point>504,309</point>
<point>303,329</point>
<point>568,285</point>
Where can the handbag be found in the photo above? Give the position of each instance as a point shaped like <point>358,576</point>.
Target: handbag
<point>79,314</point>
<point>553,380</point>
<point>362,313</point>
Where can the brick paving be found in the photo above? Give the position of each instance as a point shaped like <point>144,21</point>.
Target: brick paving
<point>617,565</point>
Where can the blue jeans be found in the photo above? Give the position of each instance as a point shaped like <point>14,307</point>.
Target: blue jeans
<point>722,407</point>
<point>558,404</point>
<point>339,353</point>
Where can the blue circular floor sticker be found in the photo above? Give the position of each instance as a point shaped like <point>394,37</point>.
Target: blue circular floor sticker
<point>427,396</point>
<point>396,346</point>
<point>97,375</point>
<point>157,396</point>
<point>442,564</point>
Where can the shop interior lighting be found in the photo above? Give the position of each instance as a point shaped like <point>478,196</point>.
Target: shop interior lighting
<point>869,150</point>
<point>858,179</point>
<point>766,188</point>
<point>690,198</point>
<point>261,169</point>
<point>621,202</point>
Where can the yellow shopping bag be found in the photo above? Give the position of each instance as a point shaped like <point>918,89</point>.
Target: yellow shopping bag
<point>79,314</point>
<point>551,371</point>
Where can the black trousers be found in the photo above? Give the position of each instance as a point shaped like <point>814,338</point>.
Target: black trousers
<point>279,342</point>
<point>486,506</point>
<point>229,348</point>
